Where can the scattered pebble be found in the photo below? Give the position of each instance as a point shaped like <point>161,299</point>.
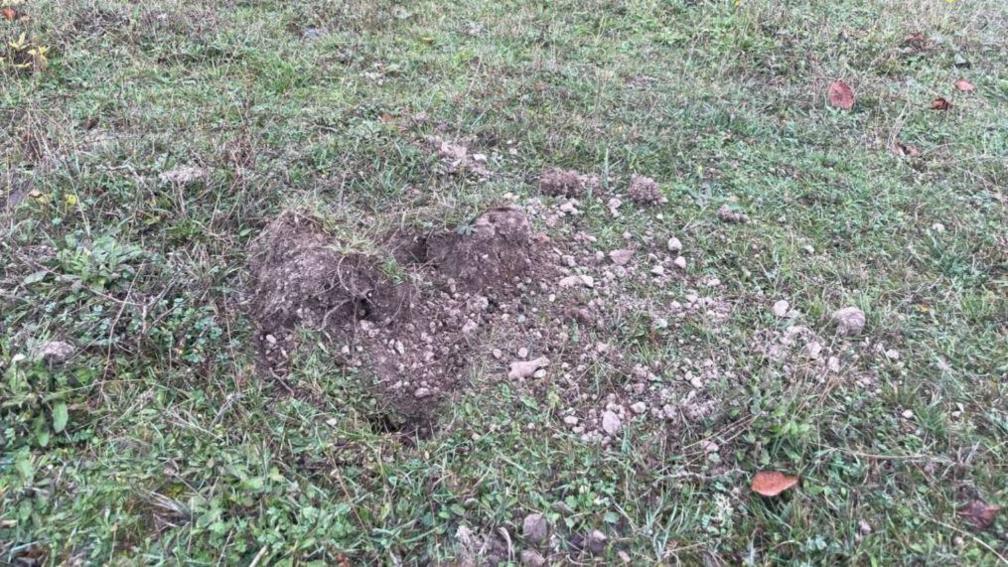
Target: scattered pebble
<point>658,270</point>
<point>611,423</point>
<point>577,280</point>
<point>849,321</point>
<point>726,214</point>
<point>780,308</point>
<point>570,207</point>
<point>184,175</point>
<point>597,542</point>
<point>56,352</point>
<point>813,349</point>
<point>638,408</point>
<point>525,368</point>
<point>674,245</point>
<point>421,393</point>
<point>534,528</point>
<point>532,558</point>
<point>571,420</point>
<point>523,352</point>
<point>621,257</point>
<point>680,262</point>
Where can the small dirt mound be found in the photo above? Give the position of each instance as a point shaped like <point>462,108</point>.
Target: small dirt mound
<point>566,182</point>
<point>491,251</point>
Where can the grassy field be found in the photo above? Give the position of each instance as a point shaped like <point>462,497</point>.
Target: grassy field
<point>142,159</point>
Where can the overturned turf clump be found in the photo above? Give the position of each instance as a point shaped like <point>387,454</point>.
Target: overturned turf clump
<point>566,182</point>
<point>302,279</point>
<point>644,191</point>
<point>413,340</point>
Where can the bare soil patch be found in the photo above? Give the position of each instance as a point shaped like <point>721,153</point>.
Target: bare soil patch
<point>414,334</point>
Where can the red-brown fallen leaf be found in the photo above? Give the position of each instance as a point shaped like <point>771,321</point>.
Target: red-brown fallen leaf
<point>964,86</point>
<point>940,103</point>
<point>901,149</point>
<point>916,40</point>
<point>9,14</point>
<point>840,95</point>
<point>979,513</point>
<point>772,483</point>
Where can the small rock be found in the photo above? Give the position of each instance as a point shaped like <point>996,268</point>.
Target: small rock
<point>577,280</point>
<point>497,353</point>
<point>534,528</point>
<point>624,556</point>
<point>812,350</point>
<point>638,408</point>
<point>571,420</point>
<point>908,414</point>
<point>526,368</point>
<point>780,309</point>
<point>614,205</point>
<point>421,393</point>
<point>611,423</point>
<point>833,364</point>
<point>726,214</point>
<point>183,175</point>
<point>709,446</point>
<point>597,542</point>
<point>849,321</point>
<point>680,262</point>
<point>621,257</point>
<point>532,558</point>
<point>674,245</point>
<point>570,208</point>
<point>56,352</point>
<point>658,270</point>
<point>523,352</point>
<point>864,527</point>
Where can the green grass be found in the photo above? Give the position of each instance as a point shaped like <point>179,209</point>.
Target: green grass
<point>177,450</point>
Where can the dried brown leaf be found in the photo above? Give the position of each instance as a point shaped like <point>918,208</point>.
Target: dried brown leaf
<point>916,41</point>
<point>840,95</point>
<point>9,14</point>
<point>979,513</point>
<point>772,483</point>
<point>940,103</point>
<point>965,86</point>
<point>908,150</point>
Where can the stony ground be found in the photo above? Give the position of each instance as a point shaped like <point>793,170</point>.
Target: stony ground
<point>479,283</point>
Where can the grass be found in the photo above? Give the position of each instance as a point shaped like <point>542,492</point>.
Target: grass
<point>176,450</point>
